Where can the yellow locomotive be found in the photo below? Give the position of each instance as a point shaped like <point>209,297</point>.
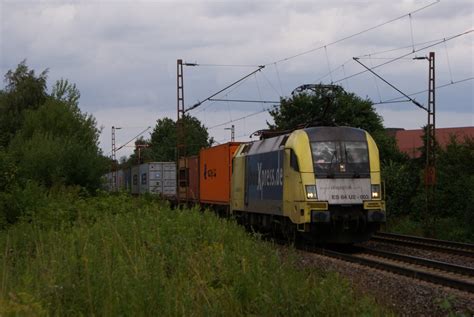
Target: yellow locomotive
<point>323,182</point>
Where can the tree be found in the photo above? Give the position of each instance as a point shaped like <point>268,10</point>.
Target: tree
<point>24,90</point>
<point>325,107</point>
<point>45,140</point>
<point>66,92</point>
<point>163,138</point>
<point>58,144</point>
<point>335,107</point>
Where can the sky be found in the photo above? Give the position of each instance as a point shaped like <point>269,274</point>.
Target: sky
<point>122,55</point>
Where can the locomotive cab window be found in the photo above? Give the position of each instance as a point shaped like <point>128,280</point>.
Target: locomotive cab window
<point>294,161</point>
<point>340,159</point>
<point>356,152</point>
<point>325,156</point>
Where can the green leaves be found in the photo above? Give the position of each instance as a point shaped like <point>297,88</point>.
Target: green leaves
<point>162,145</point>
<point>66,92</point>
<point>59,145</point>
<point>24,91</point>
<point>44,139</point>
<point>323,107</point>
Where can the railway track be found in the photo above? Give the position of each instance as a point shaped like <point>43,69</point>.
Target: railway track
<point>458,277</point>
<point>463,249</point>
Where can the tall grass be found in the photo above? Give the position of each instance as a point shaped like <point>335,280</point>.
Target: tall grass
<point>446,228</point>
<point>115,255</point>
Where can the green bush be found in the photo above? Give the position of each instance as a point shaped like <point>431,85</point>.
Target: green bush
<point>452,216</point>
<point>401,180</point>
<point>115,255</point>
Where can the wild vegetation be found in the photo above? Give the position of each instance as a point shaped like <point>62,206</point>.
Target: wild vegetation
<point>117,255</point>
<point>45,140</point>
<point>453,215</point>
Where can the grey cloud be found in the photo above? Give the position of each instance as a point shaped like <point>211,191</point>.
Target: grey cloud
<point>122,55</point>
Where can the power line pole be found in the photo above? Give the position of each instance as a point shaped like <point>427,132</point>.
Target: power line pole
<point>180,135</point>
<point>430,169</point>
<point>232,133</point>
<point>114,160</point>
<point>430,146</point>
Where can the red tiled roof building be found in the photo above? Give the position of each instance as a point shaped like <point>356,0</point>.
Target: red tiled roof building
<point>409,141</point>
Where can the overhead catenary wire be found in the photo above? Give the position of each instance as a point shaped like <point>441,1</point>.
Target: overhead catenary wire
<point>332,71</point>
<point>327,60</point>
<point>270,84</point>
<point>407,54</point>
<point>237,136</point>
<point>370,56</point>
<point>375,80</point>
<point>352,35</point>
<point>449,64</point>
<point>397,99</point>
<point>258,89</point>
<point>346,78</point>
<point>238,119</point>
<point>223,89</point>
<point>399,48</point>
<point>126,143</point>
<point>411,32</point>
<point>245,100</point>
<point>359,73</point>
<point>279,79</point>
<point>224,65</point>
<point>347,81</point>
<point>419,105</point>
<point>214,102</point>
<point>431,44</point>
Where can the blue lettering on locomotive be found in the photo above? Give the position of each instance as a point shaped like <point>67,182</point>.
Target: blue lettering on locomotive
<point>265,176</point>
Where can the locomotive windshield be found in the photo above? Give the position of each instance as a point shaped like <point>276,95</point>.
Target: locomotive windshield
<point>340,159</point>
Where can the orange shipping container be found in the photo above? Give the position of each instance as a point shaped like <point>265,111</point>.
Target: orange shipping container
<point>215,172</point>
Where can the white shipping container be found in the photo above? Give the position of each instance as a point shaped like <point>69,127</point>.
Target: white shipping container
<point>158,178</point>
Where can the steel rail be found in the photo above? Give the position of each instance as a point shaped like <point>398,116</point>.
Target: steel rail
<point>447,267</point>
<point>405,271</point>
<point>444,246</point>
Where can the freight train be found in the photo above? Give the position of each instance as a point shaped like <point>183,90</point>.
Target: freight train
<point>322,183</point>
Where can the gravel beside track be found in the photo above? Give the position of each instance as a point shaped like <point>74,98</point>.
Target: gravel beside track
<point>406,296</point>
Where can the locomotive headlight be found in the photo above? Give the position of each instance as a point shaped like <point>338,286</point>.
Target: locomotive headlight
<point>311,192</point>
<point>376,191</point>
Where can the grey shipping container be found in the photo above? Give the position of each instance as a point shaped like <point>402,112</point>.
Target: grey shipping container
<point>135,179</point>
<point>120,180</point>
<point>158,178</point>
<point>127,176</point>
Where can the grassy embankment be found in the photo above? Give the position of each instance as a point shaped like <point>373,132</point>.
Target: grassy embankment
<point>450,229</point>
<point>114,255</point>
